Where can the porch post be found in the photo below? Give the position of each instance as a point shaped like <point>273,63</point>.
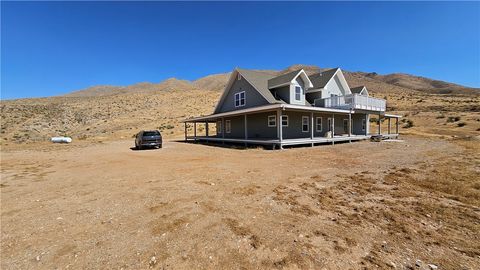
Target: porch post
<point>389,125</point>
<point>379,124</point>
<point>195,130</point>
<point>350,124</point>
<point>279,127</point>
<point>223,130</point>
<point>396,125</point>
<point>367,124</point>
<point>185,124</point>
<point>333,128</point>
<point>246,130</point>
<point>311,127</point>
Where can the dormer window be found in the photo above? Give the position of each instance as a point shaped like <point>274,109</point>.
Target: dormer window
<point>298,93</point>
<point>240,99</point>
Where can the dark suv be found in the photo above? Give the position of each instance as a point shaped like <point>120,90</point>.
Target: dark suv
<point>148,138</point>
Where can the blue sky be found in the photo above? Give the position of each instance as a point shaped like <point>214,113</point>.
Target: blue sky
<point>51,48</point>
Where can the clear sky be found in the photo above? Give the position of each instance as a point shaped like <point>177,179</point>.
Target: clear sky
<point>51,48</point>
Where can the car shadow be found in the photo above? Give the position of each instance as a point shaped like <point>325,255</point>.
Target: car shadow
<point>133,148</point>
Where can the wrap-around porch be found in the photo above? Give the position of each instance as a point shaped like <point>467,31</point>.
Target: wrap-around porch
<point>279,135</point>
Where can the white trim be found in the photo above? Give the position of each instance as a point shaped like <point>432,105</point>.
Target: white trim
<point>343,81</point>
<point>274,120</point>
<point>308,123</point>
<point>228,126</point>
<point>239,99</point>
<point>286,119</point>
<point>392,115</point>
<point>316,124</point>
<point>299,93</point>
<point>305,76</point>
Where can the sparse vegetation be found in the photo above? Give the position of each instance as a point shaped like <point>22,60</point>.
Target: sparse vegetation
<point>461,124</point>
<point>452,119</point>
<point>408,123</point>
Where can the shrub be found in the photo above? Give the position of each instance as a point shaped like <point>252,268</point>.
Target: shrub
<point>452,119</point>
<point>461,124</point>
<point>409,124</point>
<point>440,116</point>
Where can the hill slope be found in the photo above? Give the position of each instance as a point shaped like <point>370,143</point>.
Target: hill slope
<point>111,112</point>
<point>217,82</point>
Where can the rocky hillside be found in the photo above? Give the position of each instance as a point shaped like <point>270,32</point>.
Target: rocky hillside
<point>217,82</point>
<point>114,112</point>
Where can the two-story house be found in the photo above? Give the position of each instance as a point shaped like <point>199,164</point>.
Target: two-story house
<point>259,107</point>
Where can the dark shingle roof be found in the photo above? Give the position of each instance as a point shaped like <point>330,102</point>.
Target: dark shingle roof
<point>283,79</point>
<point>357,90</point>
<point>321,79</point>
<point>259,80</point>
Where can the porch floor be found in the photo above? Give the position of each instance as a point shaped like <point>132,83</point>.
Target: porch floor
<point>285,142</point>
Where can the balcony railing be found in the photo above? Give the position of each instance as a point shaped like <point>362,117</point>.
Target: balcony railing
<point>353,101</point>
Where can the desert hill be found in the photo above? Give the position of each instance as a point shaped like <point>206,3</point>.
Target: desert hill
<point>113,112</point>
<point>217,82</point>
<point>421,83</point>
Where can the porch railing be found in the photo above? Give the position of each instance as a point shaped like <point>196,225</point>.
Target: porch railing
<point>353,101</point>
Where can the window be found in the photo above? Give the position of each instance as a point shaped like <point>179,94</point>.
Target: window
<point>284,120</point>
<point>240,99</point>
<point>219,127</point>
<point>298,92</point>
<point>272,121</point>
<point>239,77</point>
<point>345,125</point>
<point>318,124</point>
<point>329,123</point>
<point>364,124</point>
<point>305,125</point>
<point>228,126</point>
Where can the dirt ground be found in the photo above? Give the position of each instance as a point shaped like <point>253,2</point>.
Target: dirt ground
<point>364,205</point>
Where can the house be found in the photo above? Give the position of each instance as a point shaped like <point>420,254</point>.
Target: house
<point>259,107</point>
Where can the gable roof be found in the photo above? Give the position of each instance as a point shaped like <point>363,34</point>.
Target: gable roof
<point>321,79</point>
<point>283,79</point>
<point>287,78</point>
<point>357,90</point>
<point>258,80</point>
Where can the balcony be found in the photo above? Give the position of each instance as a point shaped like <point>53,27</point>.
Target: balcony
<point>353,101</point>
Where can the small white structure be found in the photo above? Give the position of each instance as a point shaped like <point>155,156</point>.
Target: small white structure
<point>61,140</point>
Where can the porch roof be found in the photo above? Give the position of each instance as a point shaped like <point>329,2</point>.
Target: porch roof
<point>268,108</point>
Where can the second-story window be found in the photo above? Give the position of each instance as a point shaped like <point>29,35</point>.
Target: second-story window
<point>240,99</point>
<point>298,92</point>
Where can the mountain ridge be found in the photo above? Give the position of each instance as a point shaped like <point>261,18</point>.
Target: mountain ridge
<point>217,82</point>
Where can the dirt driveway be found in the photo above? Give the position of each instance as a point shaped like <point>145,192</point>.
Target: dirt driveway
<point>186,206</point>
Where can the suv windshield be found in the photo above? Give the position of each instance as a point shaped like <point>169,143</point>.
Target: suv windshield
<point>151,133</point>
